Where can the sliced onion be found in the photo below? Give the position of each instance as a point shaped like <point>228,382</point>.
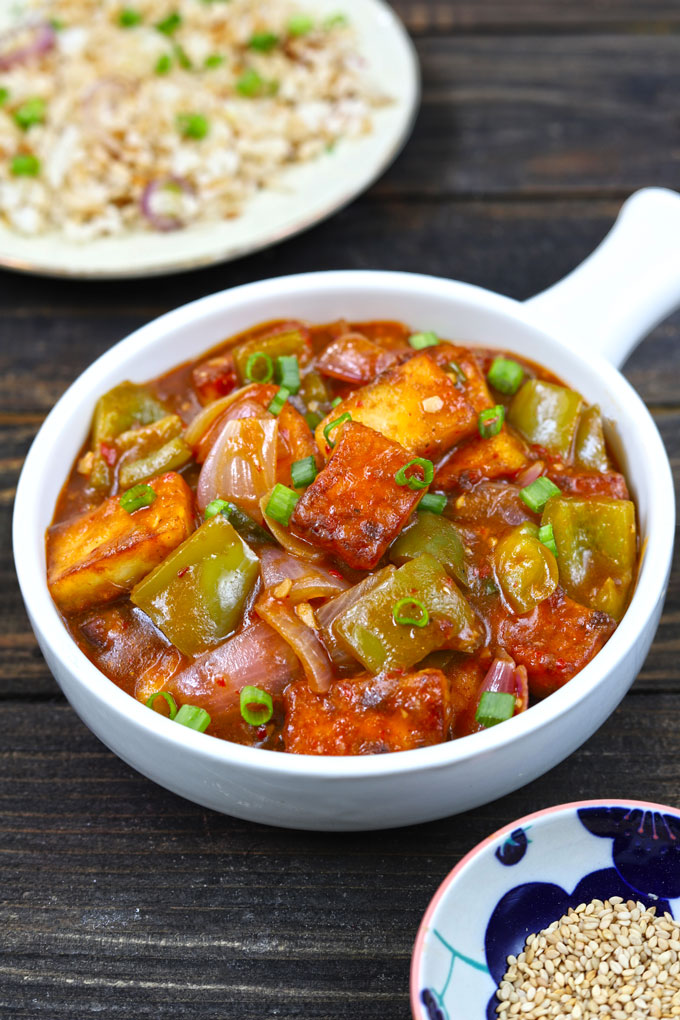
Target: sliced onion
<point>249,397</point>
<point>327,614</point>
<point>530,474</point>
<point>241,467</point>
<point>505,677</point>
<point>295,546</point>
<point>154,195</point>
<point>354,358</point>
<point>307,581</point>
<point>301,638</point>
<point>40,38</point>
<point>258,656</point>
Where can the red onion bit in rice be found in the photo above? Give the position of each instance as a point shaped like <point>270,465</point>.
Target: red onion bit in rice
<point>163,202</point>
<point>22,44</point>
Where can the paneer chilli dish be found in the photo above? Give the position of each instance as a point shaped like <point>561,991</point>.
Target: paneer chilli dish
<point>343,539</point>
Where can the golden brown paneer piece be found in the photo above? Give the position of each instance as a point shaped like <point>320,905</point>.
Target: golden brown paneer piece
<point>368,715</point>
<point>554,641</point>
<point>99,556</point>
<point>354,507</point>
<point>501,456</point>
<point>474,385</point>
<point>416,404</point>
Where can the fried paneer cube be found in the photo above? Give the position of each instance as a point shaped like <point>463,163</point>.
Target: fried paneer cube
<point>99,556</point>
<point>416,404</point>
<point>368,715</point>
<point>554,641</point>
<point>472,381</point>
<point>501,456</point>
<point>354,508</point>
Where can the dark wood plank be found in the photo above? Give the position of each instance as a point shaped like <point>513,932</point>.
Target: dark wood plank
<point>457,16</point>
<point>120,897</point>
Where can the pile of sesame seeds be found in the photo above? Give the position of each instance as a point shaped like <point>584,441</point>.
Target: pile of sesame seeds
<point>610,959</point>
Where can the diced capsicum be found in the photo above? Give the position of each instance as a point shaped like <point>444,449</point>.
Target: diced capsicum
<point>290,342</point>
<point>429,533</point>
<point>196,596</point>
<point>597,549</point>
<point>370,632</point>
<point>116,411</point>
<point>590,448</point>
<point>172,456</point>
<point>526,570</point>
<point>547,415</point>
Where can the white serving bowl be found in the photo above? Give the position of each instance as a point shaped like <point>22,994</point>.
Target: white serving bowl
<point>524,877</point>
<point>621,291</point>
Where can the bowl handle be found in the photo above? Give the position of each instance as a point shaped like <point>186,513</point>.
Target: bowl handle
<point>628,285</point>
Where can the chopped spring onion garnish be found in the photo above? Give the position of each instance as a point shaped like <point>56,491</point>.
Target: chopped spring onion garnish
<point>172,704</point>
<point>25,165</point>
<point>250,83</point>
<point>505,375</point>
<point>332,425</point>
<point>413,481</point>
<point>300,24</point>
<point>458,372</point>
<point>137,497</point>
<point>182,58</point>
<point>254,375</point>
<point>303,472</point>
<point>335,401</point>
<point>193,125</point>
<point>263,42</point>
<point>170,24</point>
<point>129,17</point>
<point>547,537</point>
<point>410,621</point>
<point>193,717</point>
<point>29,113</point>
<point>433,501</point>
<point>288,372</point>
<point>313,419</point>
<point>163,64</point>
<point>218,506</point>
<point>276,405</point>
<point>495,707</point>
<point>490,421</point>
<point>213,60</point>
<point>420,340</point>
<point>257,706</point>
<point>4,96</point>
<point>281,504</point>
<point>538,493</point>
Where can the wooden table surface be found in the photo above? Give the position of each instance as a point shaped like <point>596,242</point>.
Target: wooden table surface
<point>121,900</point>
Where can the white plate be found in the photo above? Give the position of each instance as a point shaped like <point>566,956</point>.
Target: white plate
<point>302,196</point>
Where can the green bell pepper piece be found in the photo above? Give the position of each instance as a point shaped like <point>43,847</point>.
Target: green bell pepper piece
<point>274,347</point>
<point>430,533</point>
<point>115,412</point>
<point>590,448</point>
<point>196,596</point>
<point>313,390</point>
<point>170,457</point>
<point>597,549</point>
<point>526,570</point>
<point>547,415</point>
<point>369,631</point>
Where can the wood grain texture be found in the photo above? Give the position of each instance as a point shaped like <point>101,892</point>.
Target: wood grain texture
<point>118,898</point>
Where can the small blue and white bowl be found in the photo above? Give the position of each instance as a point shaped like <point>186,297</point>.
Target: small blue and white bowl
<point>526,876</point>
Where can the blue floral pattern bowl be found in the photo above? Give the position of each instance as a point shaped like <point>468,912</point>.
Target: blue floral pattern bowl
<point>524,877</point>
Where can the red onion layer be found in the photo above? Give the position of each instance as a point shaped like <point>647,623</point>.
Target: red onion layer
<point>154,190</point>
<point>41,39</point>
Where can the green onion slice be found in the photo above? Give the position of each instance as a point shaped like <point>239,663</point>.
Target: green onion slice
<point>332,425</point>
<point>460,375</point>
<point>193,125</point>
<point>129,17</point>
<point>31,112</point>
<point>25,164</point>
<point>538,493</point>
<point>547,537</point>
<point>276,405</point>
<point>420,340</point>
<point>257,706</point>
<point>300,24</point>
<point>303,472</point>
<point>252,361</point>
<point>193,717</point>
<point>137,497</point>
<point>163,64</point>
<point>288,372</point>
<point>505,375</point>
<point>335,401</point>
<point>263,42</point>
<point>170,24</point>
<point>433,501</point>
<point>217,506</point>
<point>281,504</point>
<point>313,419</point>
<point>410,621</point>
<point>413,481</point>
<point>495,707</point>
<point>490,421</point>
<point>172,704</point>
